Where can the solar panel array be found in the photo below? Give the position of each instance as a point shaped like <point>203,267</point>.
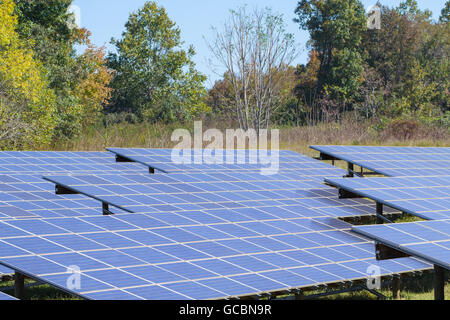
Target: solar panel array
<point>219,161</point>
<point>393,161</point>
<point>429,240</point>
<point>213,233</point>
<point>139,256</point>
<point>424,197</point>
<point>24,194</point>
<point>288,194</point>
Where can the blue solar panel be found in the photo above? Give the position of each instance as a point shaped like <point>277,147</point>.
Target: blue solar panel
<point>425,197</point>
<point>290,195</point>
<point>429,240</point>
<point>252,160</point>
<point>23,193</point>
<point>393,161</point>
<point>35,163</point>
<point>179,262</point>
<point>219,231</point>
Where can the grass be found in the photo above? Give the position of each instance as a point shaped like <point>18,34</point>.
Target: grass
<point>41,292</point>
<point>347,132</point>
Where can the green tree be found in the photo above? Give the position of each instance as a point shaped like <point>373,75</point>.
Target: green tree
<point>336,28</point>
<point>80,82</point>
<point>155,78</point>
<point>27,105</point>
<point>410,55</point>
<point>445,13</point>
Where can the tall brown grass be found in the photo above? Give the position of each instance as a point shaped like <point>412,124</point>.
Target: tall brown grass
<point>347,132</point>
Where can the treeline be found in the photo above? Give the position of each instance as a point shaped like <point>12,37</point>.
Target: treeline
<point>400,71</point>
<point>49,92</point>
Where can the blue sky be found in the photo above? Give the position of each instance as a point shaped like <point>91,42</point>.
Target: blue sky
<point>106,19</point>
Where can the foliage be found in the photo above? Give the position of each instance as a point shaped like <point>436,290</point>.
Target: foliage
<point>27,105</point>
<point>80,83</point>
<point>255,51</point>
<point>155,78</point>
<point>336,28</point>
<point>93,89</point>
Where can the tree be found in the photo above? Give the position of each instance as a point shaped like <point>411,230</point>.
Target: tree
<point>221,98</point>
<point>254,48</point>
<point>445,13</point>
<point>306,89</point>
<point>94,76</point>
<point>410,56</point>
<point>27,105</point>
<point>154,77</point>
<point>336,28</point>
<point>79,82</point>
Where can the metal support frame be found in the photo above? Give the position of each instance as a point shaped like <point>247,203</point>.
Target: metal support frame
<point>346,290</point>
<point>384,252</point>
<point>396,286</point>
<point>105,209</point>
<point>345,194</point>
<point>351,170</point>
<point>380,216</point>
<point>439,283</point>
<point>325,157</point>
<point>120,158</point>
<point>60,190</point>
<point>19,285</point>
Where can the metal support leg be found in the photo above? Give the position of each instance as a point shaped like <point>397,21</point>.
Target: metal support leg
<point>439,282</point>
<point>379,213</point>
<point>396,286</point>
<point>351,169</point>
<point>105,209</point>
<point>299,295</point>
<point>19,285</point>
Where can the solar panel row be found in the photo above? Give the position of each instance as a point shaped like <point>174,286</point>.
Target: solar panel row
<point>286,194</point>
<point>219,161</point>
<point>428,240</point>
<point>263,234</point>
<point>116,257</point>
<point>425,197</point>
<point>393,161</point>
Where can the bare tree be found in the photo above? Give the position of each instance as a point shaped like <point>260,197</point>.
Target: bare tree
<point>255,49</point>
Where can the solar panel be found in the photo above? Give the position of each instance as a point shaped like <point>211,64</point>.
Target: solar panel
<point>4,297</point>
<point>220,161</point>
<point>116,257</point>
<point>219,231</point>
<point>40,162</point>
<point>23,193</point>
<point>429,240</point>
<point>392,161</point>
<point>424,197</point>
<point>282,195</point>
